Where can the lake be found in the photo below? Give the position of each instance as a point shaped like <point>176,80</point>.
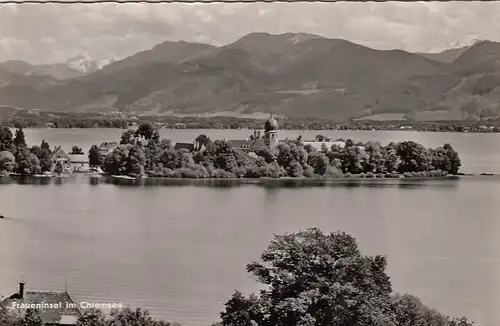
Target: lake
<point>180,250</point>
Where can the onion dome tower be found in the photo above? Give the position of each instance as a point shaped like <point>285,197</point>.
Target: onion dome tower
<point>271,134</point>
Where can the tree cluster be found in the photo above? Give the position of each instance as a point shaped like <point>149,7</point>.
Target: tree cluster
<point>314,279</point>
<point>142,152</point>
<point>94,317</point>
<point>15,156</point>
<point>309,279</point>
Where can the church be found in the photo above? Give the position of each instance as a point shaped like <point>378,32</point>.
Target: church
<point>268,138</point>
<point>258,140</point>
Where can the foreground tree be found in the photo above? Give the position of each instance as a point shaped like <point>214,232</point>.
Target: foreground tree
<point>313,279</point>
<point>32,317</point>
<point>124,317</point>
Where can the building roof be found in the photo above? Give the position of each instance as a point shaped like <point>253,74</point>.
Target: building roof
<point>63,315</point>
<point>108,146</point>
<point>78,158</point>
<point>58,152</point>
<point>247,144</point>
<point>189,146</point>
<point>271,124</point>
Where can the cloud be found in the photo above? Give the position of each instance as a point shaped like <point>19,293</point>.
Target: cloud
<point>54,33</point>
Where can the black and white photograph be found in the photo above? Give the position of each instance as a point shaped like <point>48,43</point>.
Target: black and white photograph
<point>249,164</point>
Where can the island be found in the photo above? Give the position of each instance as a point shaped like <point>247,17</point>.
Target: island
<point>263,154</point>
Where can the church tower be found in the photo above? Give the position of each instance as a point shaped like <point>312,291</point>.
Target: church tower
<point>271,135</point>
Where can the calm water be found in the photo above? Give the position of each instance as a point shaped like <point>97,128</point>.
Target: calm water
<point>181,250</point>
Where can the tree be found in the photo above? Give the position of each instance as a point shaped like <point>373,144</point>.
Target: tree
<point>203,140</point>
<point>20,139</point>
<point>319,162</point>
<point>353,158</point>
<point>7,161</point>
<point>124,317</point>
<point>92,317</point>
<point>116,161</point>
<point>409,310</point>
<point>392,160</point>
<point>7,318</point>
<point>375,161</point>
<point>267,154</point>
<point>75,150</point>
<point>127,137</point>
<point>32,317</point>
<point>314,279</point>
<point>58,168</point>
<point>148,131</point>
<point>45,146</point>
<point>27,162</point>
<point>6,139</point>
<point>44,155</point>
<point>135,161</point>
<point>95,157</point>
<point>414,157</point>
<point>453,157</point>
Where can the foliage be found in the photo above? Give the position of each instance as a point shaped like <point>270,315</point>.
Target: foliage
<point>58,168</point>
<point>44,155</point>
<point>95,157</point>
<point>142,152</point>
<point>32,317</point>
<point>92,317</point>
<point>148,131</point>
<point>218,159</point>
<point>123,317</point>
<point>316,279</point>
<point>20,139</point>
<point>27,162</point>
<point>6,139</point>
<point>75,150</point>
<point>7,161</point>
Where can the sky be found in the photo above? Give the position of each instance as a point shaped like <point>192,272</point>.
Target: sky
<point>51,33</point>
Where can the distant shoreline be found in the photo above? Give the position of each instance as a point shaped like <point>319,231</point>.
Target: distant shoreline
<point>290,129</point>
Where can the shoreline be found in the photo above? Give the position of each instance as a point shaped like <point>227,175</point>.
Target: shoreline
<point>292,129</point>
<point>263,180</point>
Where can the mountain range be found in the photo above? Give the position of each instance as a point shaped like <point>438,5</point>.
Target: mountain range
<point>292,74</point>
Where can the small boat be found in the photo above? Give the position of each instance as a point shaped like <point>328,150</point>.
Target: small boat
<point>1,216</point>
<point>123,177</point>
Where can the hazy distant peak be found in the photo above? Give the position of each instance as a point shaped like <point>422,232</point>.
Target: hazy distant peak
<point>84,63</point>
<point>464,43</point>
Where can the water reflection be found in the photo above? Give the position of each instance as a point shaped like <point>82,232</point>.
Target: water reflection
<point>235,183</point>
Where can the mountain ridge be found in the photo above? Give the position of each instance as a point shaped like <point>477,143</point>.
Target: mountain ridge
<point>292,74</point>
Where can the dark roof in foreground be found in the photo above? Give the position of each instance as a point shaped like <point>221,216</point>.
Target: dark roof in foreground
<point>61,316</point>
